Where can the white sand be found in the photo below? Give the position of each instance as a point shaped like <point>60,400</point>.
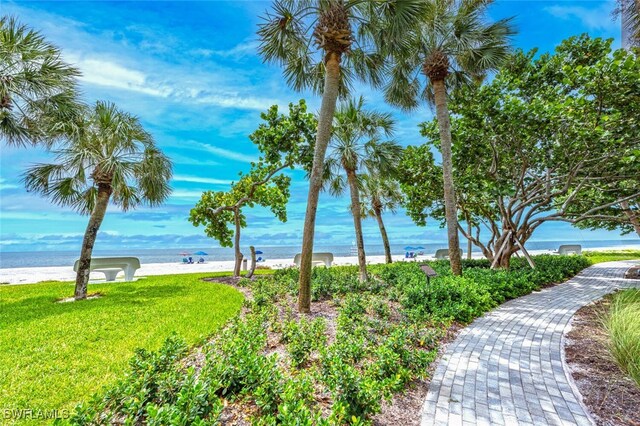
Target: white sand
<point>65,273</point>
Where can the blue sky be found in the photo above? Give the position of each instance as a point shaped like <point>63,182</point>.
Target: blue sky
<point>191,72</point>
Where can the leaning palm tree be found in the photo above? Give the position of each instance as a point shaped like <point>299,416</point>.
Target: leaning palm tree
<point>37,89</point>
<point>111,159</point>
<point>451,44</point>
<point>355,150</point>
<point>380,193</point>
<point>325,45</point>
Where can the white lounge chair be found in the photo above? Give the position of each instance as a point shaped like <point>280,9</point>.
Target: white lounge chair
<point>442,254</point>
<point>570,249</point>
<point>325,258</point>
<point>110,266</point>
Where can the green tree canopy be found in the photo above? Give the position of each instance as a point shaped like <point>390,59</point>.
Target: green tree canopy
<point>38,95</point>
<point>285,141</point>
<point>537,143</point>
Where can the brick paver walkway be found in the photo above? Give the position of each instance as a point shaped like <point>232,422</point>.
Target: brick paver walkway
<point>507,368</point>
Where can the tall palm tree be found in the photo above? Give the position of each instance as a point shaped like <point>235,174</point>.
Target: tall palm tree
<point>629,13</point>
<point>380,193</point>
<point>325,45</point>
<point>111,159</point>
<point>451,44</point>
<point>37,89</point>
<point>355,150</point>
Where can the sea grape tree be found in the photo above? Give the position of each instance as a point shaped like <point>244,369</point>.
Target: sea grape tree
<point>285,141</point>
<point>553,138</point>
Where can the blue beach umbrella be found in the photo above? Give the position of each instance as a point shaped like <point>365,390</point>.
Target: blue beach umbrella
<point>258,252</point>
<point>409,248</point>
<point>419,248</point>
<point>200,253</point>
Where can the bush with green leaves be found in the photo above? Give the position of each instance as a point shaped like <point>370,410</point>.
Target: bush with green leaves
<point>387,332</point>
<point>302,337</point>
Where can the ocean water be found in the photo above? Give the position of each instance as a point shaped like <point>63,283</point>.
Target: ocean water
<point>173,255</point>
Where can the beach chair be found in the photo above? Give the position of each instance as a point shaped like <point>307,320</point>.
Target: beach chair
<point>566,249</point>
<point>442,254</point>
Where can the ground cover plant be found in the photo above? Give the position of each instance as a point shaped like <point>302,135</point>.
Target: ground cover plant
<point>54,355</point>
<point>623,328</point>
<point>363,343</point>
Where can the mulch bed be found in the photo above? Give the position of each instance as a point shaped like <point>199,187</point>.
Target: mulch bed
<point>611,396</point>
<point>404,408</point>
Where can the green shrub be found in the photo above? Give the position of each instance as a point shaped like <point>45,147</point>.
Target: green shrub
<point>376,351</point>
<point>302,337</point>
<point>153,377</point>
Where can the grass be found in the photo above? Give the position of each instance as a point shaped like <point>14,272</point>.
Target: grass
<point>54,355</point>
<point>609,256</point>
<point>623,326</point>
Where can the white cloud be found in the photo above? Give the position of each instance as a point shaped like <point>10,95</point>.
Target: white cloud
<point>181,159</point>
<point>598,18</point>
<point>104,72</point>
<point>221,152</point>
<point>246,48</point>
<point>197,179</point>
<point>4,185</point>
<point>186,193</point>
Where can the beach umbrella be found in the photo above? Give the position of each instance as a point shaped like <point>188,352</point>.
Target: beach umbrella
<point>419,248</point>
<point>184,253</point>
<point>200,253</point>
<point>409,248</point>
<point>259,252</point>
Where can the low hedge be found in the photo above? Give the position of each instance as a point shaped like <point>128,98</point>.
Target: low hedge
<point>386,334</point>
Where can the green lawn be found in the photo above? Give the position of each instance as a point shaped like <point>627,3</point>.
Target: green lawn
<point>54,355</point>
<point>608,256</point>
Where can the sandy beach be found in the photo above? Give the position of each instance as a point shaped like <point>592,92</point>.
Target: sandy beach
<point>66,273</point>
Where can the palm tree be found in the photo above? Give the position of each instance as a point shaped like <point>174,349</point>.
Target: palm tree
<point>380,193</point>
<point>37,89</point>
<point>451,44</point>
<point>629,13</point>
<point>112,158</point>
<point>324,45</point>
<point>357,150</point>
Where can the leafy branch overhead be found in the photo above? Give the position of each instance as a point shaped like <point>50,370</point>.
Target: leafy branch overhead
<point>551,138</point>
<point>285,141</point>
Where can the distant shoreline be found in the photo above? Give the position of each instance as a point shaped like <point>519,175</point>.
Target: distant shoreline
<point>33,275</point>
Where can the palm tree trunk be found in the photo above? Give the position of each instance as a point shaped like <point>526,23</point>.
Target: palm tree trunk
<point>635,222</point>
<point>90,234</point>
<point>357,223</point>
<point>236,244</point>
<point>385,238</point>
<point>451,214</point>
<point>325,119</point>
